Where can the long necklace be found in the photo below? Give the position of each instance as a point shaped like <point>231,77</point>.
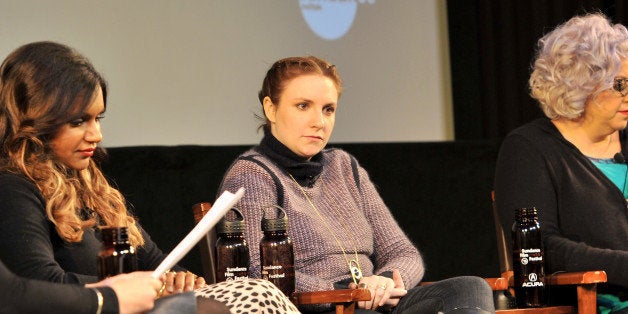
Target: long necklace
<point>354,264</point>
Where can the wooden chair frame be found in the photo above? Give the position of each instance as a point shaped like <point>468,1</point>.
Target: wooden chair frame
<point>344,300</point>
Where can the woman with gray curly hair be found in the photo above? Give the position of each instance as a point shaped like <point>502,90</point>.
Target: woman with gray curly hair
<point>571,165</point>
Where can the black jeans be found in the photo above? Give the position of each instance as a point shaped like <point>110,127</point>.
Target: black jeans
<point>458,295</point>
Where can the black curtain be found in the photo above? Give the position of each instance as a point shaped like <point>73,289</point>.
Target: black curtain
<point>492,46</point>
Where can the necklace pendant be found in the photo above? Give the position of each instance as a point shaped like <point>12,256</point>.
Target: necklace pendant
<point>354,269</point>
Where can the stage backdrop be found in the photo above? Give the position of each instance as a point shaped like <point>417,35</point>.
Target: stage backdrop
<point>188,72</point>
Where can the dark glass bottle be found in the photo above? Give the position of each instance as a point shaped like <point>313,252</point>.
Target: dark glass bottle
<point>276,252</point>
<point>528,259</point>
<point>117,255</point>
<point>232,252</point>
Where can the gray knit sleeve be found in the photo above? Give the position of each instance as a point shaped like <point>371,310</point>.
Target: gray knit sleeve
<point>393,249</point>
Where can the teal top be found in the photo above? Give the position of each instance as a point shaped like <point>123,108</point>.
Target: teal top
<point>616,172</point>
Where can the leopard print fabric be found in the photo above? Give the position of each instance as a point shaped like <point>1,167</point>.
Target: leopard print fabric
<point>249,296</point>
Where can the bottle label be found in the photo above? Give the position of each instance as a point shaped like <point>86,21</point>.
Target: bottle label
<point>533,281</point>
<point>281,276</point>
<point>531,260</point>
<point>232,262</point>
<point>236,273</point>
<point>273,272</point>
<point>529,277</point>
<point>277,261</point>
<point>530,255</point>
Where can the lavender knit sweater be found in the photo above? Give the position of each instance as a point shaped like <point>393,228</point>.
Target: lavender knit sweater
<point>357,215</point>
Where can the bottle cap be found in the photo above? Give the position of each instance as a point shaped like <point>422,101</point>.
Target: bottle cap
<point>279,223</point>
<point>236,225</point>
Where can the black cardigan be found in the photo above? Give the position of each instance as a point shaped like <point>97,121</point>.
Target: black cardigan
<point>19,295</point>
<point>583,215</point>
<point>30,246</point>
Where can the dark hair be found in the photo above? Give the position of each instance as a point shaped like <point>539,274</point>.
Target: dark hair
<point>42,86</point>
<point>284,70</point>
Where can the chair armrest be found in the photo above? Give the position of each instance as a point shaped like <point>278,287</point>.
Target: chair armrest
<point>499,283</point>
<point>331,296</point>
<point>577,278</point>
<point>567,278</point>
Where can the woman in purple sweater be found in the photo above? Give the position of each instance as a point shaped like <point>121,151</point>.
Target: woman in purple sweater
<point>343,233</point>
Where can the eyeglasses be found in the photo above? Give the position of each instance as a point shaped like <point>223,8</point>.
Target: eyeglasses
<point>621,85</point>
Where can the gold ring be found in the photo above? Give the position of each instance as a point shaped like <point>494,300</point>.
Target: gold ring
<point>383,287</point>
<point>161,290</point>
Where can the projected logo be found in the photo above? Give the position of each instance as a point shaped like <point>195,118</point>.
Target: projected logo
<point>330,19</point>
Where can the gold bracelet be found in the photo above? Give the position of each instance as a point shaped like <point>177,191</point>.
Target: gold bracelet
<point>100,300</point>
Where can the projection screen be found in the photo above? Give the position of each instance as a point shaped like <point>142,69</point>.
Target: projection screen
<point>188,72</point>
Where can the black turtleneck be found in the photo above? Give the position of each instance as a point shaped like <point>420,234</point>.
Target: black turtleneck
<point>306,172</point>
